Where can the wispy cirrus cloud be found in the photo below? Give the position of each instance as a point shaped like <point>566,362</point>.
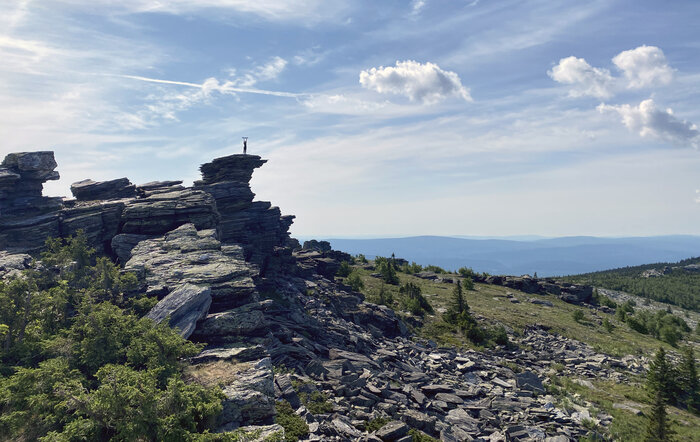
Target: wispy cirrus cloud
<point>303,12</point>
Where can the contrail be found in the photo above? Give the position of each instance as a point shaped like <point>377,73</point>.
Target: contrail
<point>225,87</point>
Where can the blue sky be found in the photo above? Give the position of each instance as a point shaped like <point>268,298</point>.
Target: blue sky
<point>378,117</point>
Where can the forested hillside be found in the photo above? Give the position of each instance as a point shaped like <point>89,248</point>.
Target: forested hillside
<point>674,283</point>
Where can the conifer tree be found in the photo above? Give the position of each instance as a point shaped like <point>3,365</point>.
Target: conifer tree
<point>688,380</point>
<point>661,377</point>
<point>658,427</point>
<point>459,304</point>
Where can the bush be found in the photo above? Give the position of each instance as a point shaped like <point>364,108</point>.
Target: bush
<point>413,299</point>
<point>412,268</point>
<point>577,315</point>
<point>87,367</point>
<point>468,283</point>
<point>316,402</point>
<point>609,327</point>
<point>384,297</point>
<point>499,335</point>
<point>387,268</point>
<point>467,272</point>
<point>355,282</point>
<point>376,423</point>
<point>344,270</point>
<point>295,427</point>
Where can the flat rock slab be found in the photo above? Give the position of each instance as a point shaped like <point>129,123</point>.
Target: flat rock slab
<point>392,431</point>
<point>528,380</point>
<point>185,306</point>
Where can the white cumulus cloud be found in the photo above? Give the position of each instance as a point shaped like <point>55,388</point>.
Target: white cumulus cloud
<point>644,66</point>
<point>585,79</point>
<point>427,82</point>
<point>651,121</point>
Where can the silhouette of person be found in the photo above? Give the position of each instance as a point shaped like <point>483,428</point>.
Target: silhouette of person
<point>245,146</point>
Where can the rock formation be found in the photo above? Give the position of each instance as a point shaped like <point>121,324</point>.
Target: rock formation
<point>26,217</point>
<point>225,272</point>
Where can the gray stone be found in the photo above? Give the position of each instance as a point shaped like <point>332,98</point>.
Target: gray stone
<point>528,380</point>
<point>392,431</point>
<point>89,190</point>
<point>185,306</point>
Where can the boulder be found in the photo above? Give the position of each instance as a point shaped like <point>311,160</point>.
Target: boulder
<point>248,320</point>
<point>185,306</point>
<point>188,255</point>
<point>392,431</point>
<point>528,380</point>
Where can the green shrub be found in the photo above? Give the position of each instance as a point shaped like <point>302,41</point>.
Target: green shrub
<point>499,335</point>
<point>344,270</point>
<point>466,272</point>
<point>413,300</point>
<point>355,282</point>
<point>468,283</point>
<point>387,268</point>
<point>577,315</point>
<point>376,423</point>
<point>88,367</point>
<point>316,402</point>
<point>295,427</point>
<point>419,436</point>
<point>435,269</point>
<point>607,325</point>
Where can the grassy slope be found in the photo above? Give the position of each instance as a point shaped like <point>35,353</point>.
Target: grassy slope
<point>493,306</point>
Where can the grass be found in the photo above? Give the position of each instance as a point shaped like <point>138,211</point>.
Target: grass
<point>625,426</point>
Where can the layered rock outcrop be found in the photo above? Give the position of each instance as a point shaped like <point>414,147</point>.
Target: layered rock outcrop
<point>257,226</point>
<point>26,217</point>
<point>222,201</point>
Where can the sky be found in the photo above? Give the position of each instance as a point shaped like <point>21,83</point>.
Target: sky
<point>378,118</point>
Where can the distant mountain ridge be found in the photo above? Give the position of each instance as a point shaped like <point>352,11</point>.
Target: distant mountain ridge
<point>547,257</point>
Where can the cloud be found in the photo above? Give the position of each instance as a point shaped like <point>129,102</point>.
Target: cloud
<point>269,71</point>
<point>427,82</point>
<point>644,66</point>
<point>167,105</point>
<point>586,79</point>
<point>650,121</point>
<point>417,6</point>
<point>303,12</point>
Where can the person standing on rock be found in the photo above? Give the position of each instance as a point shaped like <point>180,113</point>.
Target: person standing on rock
<point>245,145</point>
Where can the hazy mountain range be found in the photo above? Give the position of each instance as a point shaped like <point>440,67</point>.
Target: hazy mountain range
<point>527,255</point>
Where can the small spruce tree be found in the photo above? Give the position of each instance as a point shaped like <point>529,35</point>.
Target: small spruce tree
<point>468,283</point>
<point>661,377</point>
<point>688,380</point>
<point>658,426</point>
